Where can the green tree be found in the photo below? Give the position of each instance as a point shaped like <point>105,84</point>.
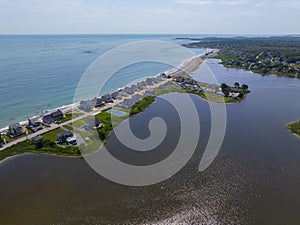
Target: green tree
<point>224,86</point>
<point>236,85</point>
<point>245,86</point>
<point>226,92</point>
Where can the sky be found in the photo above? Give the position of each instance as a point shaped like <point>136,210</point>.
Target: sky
<point>149,16</point>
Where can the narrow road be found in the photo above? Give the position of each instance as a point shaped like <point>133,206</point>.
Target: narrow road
<point>86,114</point>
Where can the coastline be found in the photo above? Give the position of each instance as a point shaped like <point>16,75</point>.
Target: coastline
<point>10,158</point>
<point>186,65</point>
<point>189,64</point>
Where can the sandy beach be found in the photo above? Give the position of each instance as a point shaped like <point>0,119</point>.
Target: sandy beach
<point>184,69</point>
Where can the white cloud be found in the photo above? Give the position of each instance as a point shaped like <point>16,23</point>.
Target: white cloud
<point>56,5</point>
<point>195,2</point>
<point>259,4</point>
<point>221,2</point>
<point>235,2</point>
<point>286,4</point>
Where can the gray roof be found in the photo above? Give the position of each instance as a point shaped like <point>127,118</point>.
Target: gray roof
<point>57,113</point>
<point>15,126</point>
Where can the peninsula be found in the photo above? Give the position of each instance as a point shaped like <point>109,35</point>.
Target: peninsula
<point>61,131</point>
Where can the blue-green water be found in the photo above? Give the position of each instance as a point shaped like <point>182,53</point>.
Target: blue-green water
<point>42,72</point>
<point>253,180</point>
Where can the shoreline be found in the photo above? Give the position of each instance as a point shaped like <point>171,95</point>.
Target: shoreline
<point>188,66</point>
<point>68,108</point>
<point>10,158</point>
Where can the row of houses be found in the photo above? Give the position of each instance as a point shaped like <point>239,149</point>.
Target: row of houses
<point>93,124</point>
<point>34,124</point>
<point>88,105</point>
<point>52,117</point>
<point>193,85</point>
<point>69,138</point>
<point>129,102</point>
<point>15,130</point>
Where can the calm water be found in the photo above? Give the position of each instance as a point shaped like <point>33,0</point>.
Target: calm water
<point>42,72</point>
<point>254,180</point>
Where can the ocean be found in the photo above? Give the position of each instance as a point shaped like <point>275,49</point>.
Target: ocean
<point>40,72</point>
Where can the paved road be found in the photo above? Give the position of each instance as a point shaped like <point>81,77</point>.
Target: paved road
<point>86,114</point>
<point>53,127</point>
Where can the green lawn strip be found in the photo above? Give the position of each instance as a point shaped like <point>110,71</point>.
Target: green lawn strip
<point>141,106</point>
<point>44,147</point>
<point>213,97</point>
<point>9,139</point>
<point>68,117</point>
<point>69,127</point>
<point>52,135</point>
<point>48,145</point>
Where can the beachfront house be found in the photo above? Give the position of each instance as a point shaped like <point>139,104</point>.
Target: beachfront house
<point>15,130</point>
<point>121,94</point>
<point>150,92</point>
<point>87,105</point>
<point>47,119</point>
<point>129,90</point>
<point>134,88</point>
<point>57,115</point>
<point>162,76</point>
<point>114,95</point>
<point>52,117</point>
<point>93,124</point>
<point>99,102</point>
<point>150,81</point>
<point>105,99</point>
<point>34,124</point>
<point>62,137</point>
<point>141,85</point>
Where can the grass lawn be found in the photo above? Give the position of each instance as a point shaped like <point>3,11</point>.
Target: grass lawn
<point>68,117</point>
<point>109,120</point>
<point>220,99</point>
<point>46,147</point>
<point>9,139</point>
<point>69,127</point>
<point>52,135</point>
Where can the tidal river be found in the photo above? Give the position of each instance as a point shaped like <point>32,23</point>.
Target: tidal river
<point>254,179</point>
